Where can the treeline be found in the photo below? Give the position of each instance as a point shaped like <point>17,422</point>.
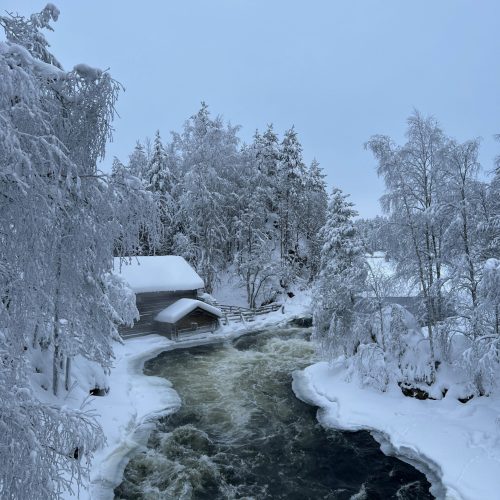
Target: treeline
<point>442,230</point>
<point>254,208</point>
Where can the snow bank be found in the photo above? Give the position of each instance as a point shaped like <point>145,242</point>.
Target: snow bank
<point>181,307</point>
<point>456,445</point>
<point>127,413</point>
<point>159,273</point>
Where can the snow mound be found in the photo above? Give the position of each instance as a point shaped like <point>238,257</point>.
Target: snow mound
<point>179,309</point>
<point>159,273</point>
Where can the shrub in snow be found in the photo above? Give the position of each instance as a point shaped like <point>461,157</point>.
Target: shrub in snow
<point>398,352</point>
<point>370,364</point>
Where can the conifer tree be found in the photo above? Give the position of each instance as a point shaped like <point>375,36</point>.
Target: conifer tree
<point>313,216</point>
<point>138,161</point>
<point>291,183</point>
<point>341,278</point>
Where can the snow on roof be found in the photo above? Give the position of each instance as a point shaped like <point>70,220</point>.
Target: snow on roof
<point>159,273</point>
<point>180,308</point>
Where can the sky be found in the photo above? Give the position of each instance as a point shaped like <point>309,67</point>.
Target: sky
<point>338,70</point>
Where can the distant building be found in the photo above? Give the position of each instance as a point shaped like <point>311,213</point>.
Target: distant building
<point>167,290</point>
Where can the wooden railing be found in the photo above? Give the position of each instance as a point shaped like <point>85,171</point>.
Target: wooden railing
<point>243,314</point>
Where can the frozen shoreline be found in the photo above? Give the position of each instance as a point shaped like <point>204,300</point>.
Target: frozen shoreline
<point>457,446</point>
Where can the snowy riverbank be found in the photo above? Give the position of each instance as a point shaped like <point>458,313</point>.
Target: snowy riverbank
<point>456,445</point>
<point>135,401</point>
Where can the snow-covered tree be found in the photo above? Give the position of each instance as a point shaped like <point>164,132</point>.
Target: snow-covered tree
<point>313,217</point>
<point>341,279</point>
<point>414,176</point>
<point>291,186</point>
<point>158,176</point>
<point>482,358</point>
<point>208,152</point>
<point>255,256</point>
<point>463,242</point>
<point>60,220</point>
<point>138,161</point>
<point>224,196</point>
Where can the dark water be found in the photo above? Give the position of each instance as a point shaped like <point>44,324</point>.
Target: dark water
<point>242,433</point>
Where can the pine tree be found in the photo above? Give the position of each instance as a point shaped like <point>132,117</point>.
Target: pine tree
<point>291,185</point>
<point>158,175</point>
<point>138,162</point>
<point>313,216</point>
<point>341,278</point>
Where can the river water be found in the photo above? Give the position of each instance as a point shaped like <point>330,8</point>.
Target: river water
<point>241,433</point>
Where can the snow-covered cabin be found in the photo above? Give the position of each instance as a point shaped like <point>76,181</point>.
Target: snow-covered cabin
<point>160,283</point>
<point>186,316</point>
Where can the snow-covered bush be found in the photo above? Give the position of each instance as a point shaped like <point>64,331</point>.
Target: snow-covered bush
<point>371,366</point>
<point>397,352</point>
<point>481,358</point>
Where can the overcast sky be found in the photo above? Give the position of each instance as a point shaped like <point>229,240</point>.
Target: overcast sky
<point>339,71</point>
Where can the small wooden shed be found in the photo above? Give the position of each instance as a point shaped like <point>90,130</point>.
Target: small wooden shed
<point>187,316</point>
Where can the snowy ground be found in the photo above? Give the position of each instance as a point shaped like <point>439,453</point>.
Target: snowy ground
<point>456,445</point>
<point>229,291</point>
<point>135,401</point>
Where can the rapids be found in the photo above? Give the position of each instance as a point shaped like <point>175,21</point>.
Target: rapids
<point>241,433</point>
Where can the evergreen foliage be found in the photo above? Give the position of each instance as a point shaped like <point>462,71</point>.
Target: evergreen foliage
<point>253,209</point>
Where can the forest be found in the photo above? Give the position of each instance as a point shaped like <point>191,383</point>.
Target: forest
<point>255,211</point>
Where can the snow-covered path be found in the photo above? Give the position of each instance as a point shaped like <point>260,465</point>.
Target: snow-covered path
<point>456,445</point>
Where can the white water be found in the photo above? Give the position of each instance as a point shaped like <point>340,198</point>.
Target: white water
<point>241,433</point>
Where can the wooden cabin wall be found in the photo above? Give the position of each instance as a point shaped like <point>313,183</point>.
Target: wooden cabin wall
<point>198,316</point>
<point>150,304</point>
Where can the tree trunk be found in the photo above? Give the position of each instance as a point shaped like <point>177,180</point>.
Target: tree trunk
<point>67,377</point>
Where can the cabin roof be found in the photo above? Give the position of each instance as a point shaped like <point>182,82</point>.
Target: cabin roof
<point>183,307</point>
<point>159,273</point>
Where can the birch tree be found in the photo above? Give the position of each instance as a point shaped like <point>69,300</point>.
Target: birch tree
<point>414,176</point>
<point>58,229</point>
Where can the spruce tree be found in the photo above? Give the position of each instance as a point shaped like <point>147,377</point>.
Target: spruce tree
<point>341,278</point>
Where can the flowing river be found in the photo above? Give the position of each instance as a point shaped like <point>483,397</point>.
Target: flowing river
<point>241,433</point>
